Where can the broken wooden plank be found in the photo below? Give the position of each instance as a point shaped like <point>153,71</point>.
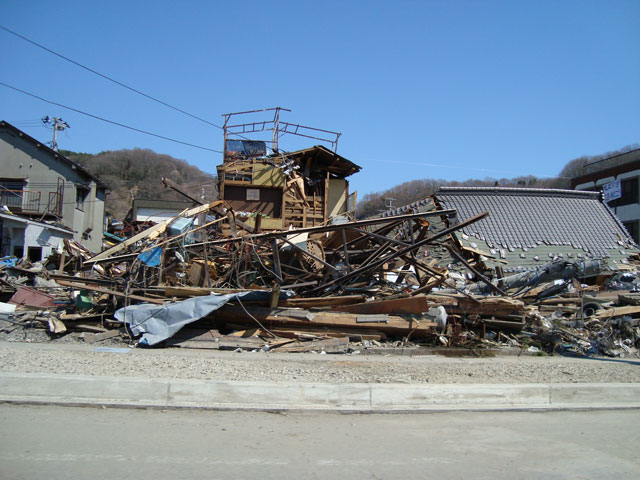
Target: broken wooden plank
<point>56,325</point>
<point>88,328</point>
<point>408,305</point>
<point>320,302</point>
<point>329,345</point>
<point>398,253</point>
<point>617,312</point>
<point>335,320</point>
<point>151,231</point>
<point>98,337</point>
<point>195,338</point>
<point>95,288</point>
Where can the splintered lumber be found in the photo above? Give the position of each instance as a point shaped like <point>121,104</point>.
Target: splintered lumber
<point>329,345</point>
<point>321,302</point>
<point>150,232</point>
<point>89,328</point>
<point>95,288</point>
<point>319,332</point>
<point>84,316</point>
<point>399,253</point>
<point>397,324</point>
<point>330,228</point>
<point>632,310</point>
<point>97,337</point>
<point>628,298</point>
<point>408,305</point>
<point>229,342</point>
<point>478,305</point>
<point>188,292</point>
<point>56,325</point>
<point>195,338</point>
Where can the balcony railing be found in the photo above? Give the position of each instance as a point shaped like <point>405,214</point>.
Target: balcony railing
<point>28,201</point>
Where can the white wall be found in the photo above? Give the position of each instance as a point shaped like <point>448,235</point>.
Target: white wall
<point>33,234</point>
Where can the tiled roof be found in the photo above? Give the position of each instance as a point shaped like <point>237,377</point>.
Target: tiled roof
<point>528,227</point>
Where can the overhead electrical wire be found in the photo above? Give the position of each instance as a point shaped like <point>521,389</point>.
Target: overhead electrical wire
<point>109,121</point>
<point>106,77</point>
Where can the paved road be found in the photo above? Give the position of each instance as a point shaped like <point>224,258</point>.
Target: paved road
<point>67,442</point>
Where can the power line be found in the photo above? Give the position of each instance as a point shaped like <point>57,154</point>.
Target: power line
<point>106,77</point>
<point>109,121</point>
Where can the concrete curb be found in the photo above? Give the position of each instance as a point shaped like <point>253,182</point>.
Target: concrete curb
<point>356,397</point>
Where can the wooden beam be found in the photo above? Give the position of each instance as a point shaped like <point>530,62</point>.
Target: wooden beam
<point>95,288</point>
<point>156,229</point>
<point>407,249</point>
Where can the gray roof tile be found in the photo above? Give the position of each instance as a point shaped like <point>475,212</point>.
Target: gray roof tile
<point>552,221</point>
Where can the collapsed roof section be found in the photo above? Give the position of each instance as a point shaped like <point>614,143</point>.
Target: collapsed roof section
<point>529,227</point>
<point>320,158</point>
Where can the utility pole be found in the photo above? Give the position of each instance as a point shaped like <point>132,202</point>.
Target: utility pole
<point>58,125</point>
<point>390,202</point>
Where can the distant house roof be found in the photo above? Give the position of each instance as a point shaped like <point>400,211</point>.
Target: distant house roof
<point>155,209</point>
<point>530,227</point>
<point>324,159</point>
<point>41,145</point>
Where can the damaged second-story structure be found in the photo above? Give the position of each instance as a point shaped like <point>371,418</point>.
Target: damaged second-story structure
<point>279,189</point>
<point>41,187</point>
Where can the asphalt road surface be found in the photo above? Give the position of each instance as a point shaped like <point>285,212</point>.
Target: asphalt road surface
<point>70,442</point>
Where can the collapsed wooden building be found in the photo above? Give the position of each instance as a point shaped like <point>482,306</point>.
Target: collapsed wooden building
<point>280,261</point>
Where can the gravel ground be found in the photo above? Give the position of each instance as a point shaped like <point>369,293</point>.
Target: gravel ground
<point>78,359</point>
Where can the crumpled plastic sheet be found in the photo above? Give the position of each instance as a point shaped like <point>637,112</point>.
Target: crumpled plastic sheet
<point>157,323</point>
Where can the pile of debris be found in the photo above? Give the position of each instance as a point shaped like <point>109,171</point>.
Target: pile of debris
<point>280,263</point>
<point>206,279</point>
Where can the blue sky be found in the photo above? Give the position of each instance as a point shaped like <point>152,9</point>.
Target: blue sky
<point>438,89</point>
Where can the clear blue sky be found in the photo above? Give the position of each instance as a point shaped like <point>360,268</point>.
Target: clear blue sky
<point>444,89</point>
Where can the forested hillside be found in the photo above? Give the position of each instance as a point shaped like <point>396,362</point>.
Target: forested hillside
<point>138,173</point>
<point>374,203</point>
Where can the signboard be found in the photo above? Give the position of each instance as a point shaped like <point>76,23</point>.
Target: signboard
<point>253,194</point>
<point>612,190</point>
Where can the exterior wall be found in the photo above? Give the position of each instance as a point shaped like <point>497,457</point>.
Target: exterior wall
<point>41,169</point>
<point>27,234</point>
<point>156,215</point>
<point>337,197</point>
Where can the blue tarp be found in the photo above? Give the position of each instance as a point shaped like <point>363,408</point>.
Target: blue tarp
<point>249,148</point>
<point>8,261</point>
<point>151,258</point>
<point>156,323</point>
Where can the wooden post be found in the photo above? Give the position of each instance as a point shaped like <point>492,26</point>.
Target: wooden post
<point>344,249</point>
<point>276,260</point>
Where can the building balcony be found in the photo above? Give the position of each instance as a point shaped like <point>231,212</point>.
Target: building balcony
<point>29,202</point>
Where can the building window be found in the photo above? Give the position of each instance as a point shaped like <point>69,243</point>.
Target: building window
<point>18,251</point>
<point>632,228</point>
<point>629,190</point>
<point>81,196</point>
<point>34,254</point>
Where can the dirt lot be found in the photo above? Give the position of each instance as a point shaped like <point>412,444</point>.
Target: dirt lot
<point>115,360</point>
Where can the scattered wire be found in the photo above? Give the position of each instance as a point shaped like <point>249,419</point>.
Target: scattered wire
<point>109,121</point>
<point>255,319</point>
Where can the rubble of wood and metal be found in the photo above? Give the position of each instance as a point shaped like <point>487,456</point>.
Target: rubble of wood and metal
<point>280,263</point>
<point>206,279</point>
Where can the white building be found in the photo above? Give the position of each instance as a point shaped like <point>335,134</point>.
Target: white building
<point>22,237</point>
<point>625,168</point>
